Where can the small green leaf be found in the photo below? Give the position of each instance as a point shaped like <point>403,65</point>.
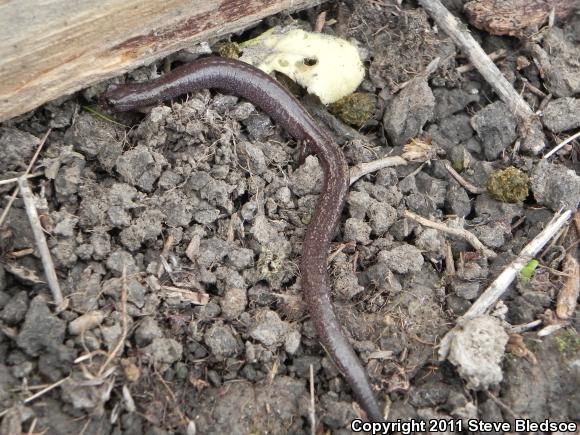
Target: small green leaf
<point>528,271</point>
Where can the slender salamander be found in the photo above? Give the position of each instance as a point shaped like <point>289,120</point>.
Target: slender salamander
<point>259,88</point>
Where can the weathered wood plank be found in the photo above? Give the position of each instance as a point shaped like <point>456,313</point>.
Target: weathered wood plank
<point>50,48</point>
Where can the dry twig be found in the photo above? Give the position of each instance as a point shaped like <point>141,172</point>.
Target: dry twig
<point>15,179</point>
<point>362,169</point>
<point>28,169</point>
<point>501,283</point>
<point>568,296</point>
<point>561,145</point>
<point>312,408</point>
<point>458,32</point>
<point>466,184</point>
<point>121,341</point>
<point>457,232</point>
<point>40,240</point>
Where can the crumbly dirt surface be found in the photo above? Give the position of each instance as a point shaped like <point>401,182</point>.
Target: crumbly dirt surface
<point>176,236</point>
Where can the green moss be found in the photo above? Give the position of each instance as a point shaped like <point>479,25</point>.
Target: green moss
<point>229,49</point>
<point>508,185</point>
<point>457,165</point>
<point>568,343</point>
<point>354,109</point>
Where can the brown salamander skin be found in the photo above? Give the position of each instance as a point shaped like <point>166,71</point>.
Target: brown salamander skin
<point>259,88</point>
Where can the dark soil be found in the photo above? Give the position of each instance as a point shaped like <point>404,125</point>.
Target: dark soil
<point>206,196</point>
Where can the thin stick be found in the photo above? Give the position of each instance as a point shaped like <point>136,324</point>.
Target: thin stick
<point>470,187</point>
<point>457,232</point>
<point>360,170</point>
<point>561,145</point>
<point>502,282</point>
<point>123,336</point>
<point>40,240</point>
<point>459,33</point>
<point>568,296</point>
<point>44,391</point>
<point>15,179</point>
<point>493,56</point>
<point>28,169</point>
<point>312,409</point>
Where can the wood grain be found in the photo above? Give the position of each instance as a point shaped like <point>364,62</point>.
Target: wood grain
<point>50,48</point>
<point>514,17</point>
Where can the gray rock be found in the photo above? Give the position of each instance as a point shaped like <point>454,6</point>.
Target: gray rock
<point>17,149</point>
<point>15,310</point>
<point>136,293</point>
<point>206,217</point>
<point>221,341</point>
<point>421,204</point>
<point>285,396</point>
<point>292,342</point>
<point>477,350</point>
<point>259,126</point>
<point>111,334</point>
<point>240,258</point>
<point>147,331</point>
<point>555,186</point>
<point>217,193</point>
<point>307,179</point>
<point>381,217</point>
<point>431,241</point>
<point>450,101</point>
<point>101,242</point>
<point>164,350</point>
<point>119,259</point>
<point>431,394</point>
<point>358,203</point>
<point>242,111</point>
<point>198,180</point>
<point>558,60</point>
<point>496,127</point>
<point>432,187</point>
<point>496,210</point>
<point>148,226</point>
<point>252,157</point>
<point>402,259</point>
<point>212,251</point>
<point>42,331</point>
<point>94,137</point>
<point>301,366</point>
<point>169,179</point>
<point>268,328</point>
<point>408,111</point>
<point>234,302</point>
<point>64,253</point>
<point>357,230</point>
<point>562,114</point>
<point>346,284</point>
<point>68,179</point>
<point>452,131</point>
<point>337,414</point>
<point>492,236</point>
<point>65,223</point>
<point>457,201</point>
<point>467,290</point>
<point>141,167</point>
<point>118,217</point>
